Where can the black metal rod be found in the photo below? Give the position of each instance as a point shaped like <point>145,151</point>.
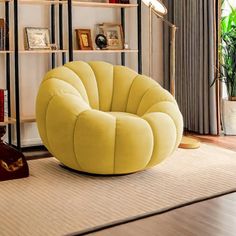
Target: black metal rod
<point>53,32</point>
<point>123,27</point>
<point>8,70</point>
<point>139,14</point>
<point>70,30</point>
<point>16,56</point>
<point>61,41</point>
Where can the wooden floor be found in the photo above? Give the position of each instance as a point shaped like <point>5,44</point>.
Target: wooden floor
<point>215,217</point>
<point>228,142</point>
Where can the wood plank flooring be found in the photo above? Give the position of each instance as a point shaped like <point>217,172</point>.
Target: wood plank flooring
<point>215,217</point>
<point>228,142</point>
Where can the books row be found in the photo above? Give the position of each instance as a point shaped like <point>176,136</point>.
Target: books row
<point>119,1</point>
<point>2,34</point>
<point>3,104</point>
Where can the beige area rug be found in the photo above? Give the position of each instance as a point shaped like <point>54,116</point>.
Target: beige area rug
<point>55,201</point>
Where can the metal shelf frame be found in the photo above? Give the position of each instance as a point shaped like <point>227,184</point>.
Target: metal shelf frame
<point>69,4</point>
<point>16,52</point>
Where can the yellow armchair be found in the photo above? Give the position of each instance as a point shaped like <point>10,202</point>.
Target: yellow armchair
<point>99,118</point>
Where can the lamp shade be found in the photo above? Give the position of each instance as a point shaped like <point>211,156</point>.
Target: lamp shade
<point>157,6</point>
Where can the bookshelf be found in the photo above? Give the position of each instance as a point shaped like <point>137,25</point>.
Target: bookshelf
<point>107,51</point>
<point>122,7</point>
<point>66,54</point>
<point>103,5</point>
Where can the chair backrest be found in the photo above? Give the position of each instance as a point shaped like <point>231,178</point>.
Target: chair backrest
<point>111,88</point>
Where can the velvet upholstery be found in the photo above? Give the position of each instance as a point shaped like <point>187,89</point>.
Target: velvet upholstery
<point>99,118</point>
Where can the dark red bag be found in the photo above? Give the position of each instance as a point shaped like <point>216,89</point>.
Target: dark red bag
<point>13,164</point>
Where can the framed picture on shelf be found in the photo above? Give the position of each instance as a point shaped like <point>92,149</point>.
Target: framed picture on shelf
<point>37,38</point>
<point>113,34</point>
<point>84,39</point>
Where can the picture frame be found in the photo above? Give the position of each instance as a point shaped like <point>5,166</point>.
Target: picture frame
<point>84,39</point>
<point>37,38</point>
<point>114,35</point>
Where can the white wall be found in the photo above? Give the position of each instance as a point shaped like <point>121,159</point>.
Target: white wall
<point>33,67</point>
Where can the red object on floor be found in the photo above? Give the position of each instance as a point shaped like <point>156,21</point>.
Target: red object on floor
<point>1,105</point>
<point>12,162</point>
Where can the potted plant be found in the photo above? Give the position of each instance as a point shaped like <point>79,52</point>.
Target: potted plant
<point>227,71</point>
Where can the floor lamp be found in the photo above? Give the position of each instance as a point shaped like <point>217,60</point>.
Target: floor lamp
<point>158,8</point>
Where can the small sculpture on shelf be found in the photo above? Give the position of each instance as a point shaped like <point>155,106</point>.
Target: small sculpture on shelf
<point>101,41</point>
<point>53,47</point>
<point>126,46</point>
<point>113,33</point>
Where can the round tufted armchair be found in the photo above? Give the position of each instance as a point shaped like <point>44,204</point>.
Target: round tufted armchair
<point>99,118</point>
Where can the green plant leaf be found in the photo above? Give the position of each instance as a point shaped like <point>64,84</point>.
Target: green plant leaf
<point>227,50</point>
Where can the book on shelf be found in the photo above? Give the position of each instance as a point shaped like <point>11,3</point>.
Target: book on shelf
<point>3,104</point>
<point>2,34</point>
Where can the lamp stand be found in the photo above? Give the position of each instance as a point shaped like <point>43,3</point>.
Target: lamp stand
<point>172,60</point>
<point>186,142</point>
<point>150,40</point>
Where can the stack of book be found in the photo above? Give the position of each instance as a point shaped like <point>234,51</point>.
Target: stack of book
<point>3,104</point>
<point>119,1</point>
<point>2,34</point>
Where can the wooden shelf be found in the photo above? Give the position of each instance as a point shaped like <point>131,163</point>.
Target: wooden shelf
<point>75,51</point>
<point>107,51</point>
<point>26,119</point>
<point>77,3</point>
<point>44,2</point>
<point>5,52</point>
<point>34,51</point>
<point>40,51</point>
<point>8,120</point>
<point>103,4</point>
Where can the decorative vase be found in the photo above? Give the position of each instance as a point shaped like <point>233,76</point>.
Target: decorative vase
<point>229,117</point>
<point>12,162</point>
